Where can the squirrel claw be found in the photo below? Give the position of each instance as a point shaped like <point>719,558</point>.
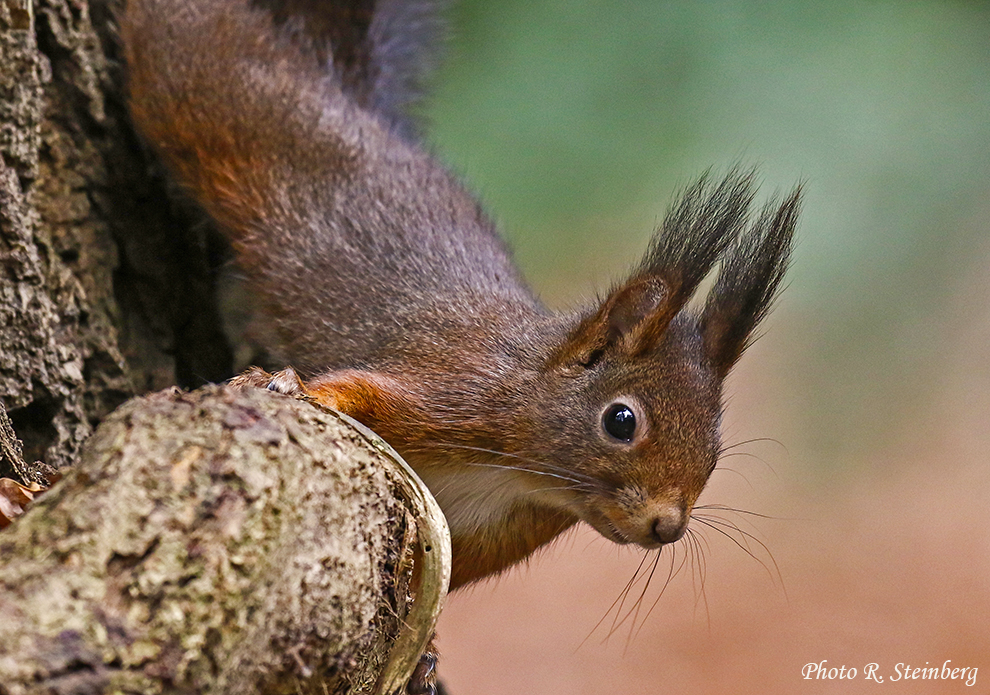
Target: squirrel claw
<point>285,381</point>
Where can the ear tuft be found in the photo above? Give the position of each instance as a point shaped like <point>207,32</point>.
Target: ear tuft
<point>706,219</point>
<point>749,282</point>
<point>696,231</point>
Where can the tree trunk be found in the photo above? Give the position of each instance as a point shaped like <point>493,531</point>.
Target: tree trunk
<point>217,541</point>
<point>107,283</point>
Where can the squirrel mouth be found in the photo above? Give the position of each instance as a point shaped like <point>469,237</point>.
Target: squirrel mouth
<point>605,527</point>
<point>610,530</point>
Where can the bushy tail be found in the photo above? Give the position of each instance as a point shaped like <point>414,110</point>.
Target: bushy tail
<point>287,120</point>
<point>381,50</point>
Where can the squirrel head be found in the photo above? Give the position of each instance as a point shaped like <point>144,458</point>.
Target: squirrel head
<point>632,426</point>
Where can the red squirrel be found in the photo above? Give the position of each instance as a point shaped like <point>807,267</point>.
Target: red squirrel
<point>392,294</point>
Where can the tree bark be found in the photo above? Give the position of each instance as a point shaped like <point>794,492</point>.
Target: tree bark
<point>219,541</point>
<point>107,282</point>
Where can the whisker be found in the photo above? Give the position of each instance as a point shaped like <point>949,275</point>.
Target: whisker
<point>745,512</point>
<point>576,482</point>
<point>701,539</point>
<point>621,603</point>
<point>724,508</point>
<point>634,611</point>
<point>723,452</point>
<point>535,462</point>
<point>570,488</point>
<point>702,577</point>
<point>620,599</point>
<point>733,470</point>
<point>671,573</point>
<point>715,523</point>
<point>728,523</point>
<point>710,524</point>
<point>616,622</point>
<point>753,441</point>
<point>747,454</point>
<point>543,467</point>
<point>499,485</point>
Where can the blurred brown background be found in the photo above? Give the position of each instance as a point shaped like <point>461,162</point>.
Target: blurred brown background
<point>576,122</point>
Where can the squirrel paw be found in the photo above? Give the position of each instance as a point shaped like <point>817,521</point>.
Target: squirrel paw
<point>357,393</point>
<point>424,678</point>
<point>285,381</point>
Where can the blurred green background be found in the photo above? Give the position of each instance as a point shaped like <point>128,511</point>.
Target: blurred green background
<point>577,121</point>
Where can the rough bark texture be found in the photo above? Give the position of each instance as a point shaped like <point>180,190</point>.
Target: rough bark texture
<point>106,284</point>
<point>11,449</point>
<point>207,542</point>
<point>56,253</point>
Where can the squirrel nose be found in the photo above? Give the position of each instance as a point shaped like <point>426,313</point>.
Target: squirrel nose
<point>670,526</point>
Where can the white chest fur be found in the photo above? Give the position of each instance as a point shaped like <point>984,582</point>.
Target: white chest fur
<point>476,498</point>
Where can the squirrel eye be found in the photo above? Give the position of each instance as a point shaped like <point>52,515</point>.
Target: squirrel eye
<point>619,421</point>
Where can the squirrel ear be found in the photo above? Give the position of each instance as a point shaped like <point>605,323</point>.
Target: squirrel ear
<point>629,319</point>
<point>748,283</point>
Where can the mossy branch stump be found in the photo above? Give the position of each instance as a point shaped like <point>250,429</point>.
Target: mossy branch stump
<point>219,541</point>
